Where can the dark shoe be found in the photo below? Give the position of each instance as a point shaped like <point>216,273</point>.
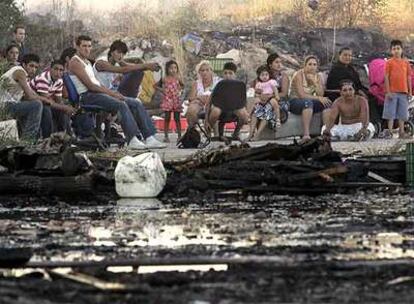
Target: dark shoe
<point>386,134</point>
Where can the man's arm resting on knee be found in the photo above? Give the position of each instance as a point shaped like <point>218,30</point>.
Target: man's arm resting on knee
<point>57,103</point>
<point>364,113</point>
<point>333,115</point>
<point>21,79</point>
<point>105,66</point>
<point>76,68</point>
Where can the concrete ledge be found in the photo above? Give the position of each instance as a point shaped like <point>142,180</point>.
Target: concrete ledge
<point>293,127</point>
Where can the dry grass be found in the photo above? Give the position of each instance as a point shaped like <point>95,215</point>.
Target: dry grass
<point>179,53</point>
<point>180,16</point>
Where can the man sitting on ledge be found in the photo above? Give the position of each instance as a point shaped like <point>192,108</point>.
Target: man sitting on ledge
<point>353,115</point>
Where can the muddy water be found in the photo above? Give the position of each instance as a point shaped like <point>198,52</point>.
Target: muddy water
<point>359,227</point>
<point>341,227</point>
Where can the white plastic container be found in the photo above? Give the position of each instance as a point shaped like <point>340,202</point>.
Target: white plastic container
<point>140,176</point>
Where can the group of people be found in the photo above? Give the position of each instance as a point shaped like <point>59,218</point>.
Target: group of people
<point>111,83</point>
<point>341,99</point>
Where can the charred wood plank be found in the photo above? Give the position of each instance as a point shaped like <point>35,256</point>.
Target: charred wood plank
<point>313,190</point>
<point>58,185</point>
<point>322,174</point>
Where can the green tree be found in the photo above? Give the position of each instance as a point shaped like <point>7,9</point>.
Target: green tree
<point>10,15</point>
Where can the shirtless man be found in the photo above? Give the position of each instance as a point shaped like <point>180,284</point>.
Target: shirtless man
<point>353,113</point>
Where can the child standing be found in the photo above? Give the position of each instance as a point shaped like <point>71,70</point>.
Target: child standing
<point>398,89</point>
<point>266,103</point>
<point>172,86</point>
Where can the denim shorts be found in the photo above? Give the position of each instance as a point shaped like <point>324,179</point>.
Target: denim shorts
<point>396,107</point>
<point>296,105</point>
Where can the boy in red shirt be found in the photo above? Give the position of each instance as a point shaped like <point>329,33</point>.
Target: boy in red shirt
<point>398,90</point>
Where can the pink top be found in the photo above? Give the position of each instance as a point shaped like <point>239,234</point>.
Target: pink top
<point>267,87</point>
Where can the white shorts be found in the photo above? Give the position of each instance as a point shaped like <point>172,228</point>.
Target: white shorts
<point>346,131</point>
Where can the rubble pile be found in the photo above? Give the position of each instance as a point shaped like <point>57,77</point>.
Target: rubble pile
<point>249,46</point>
<point>309,168</point>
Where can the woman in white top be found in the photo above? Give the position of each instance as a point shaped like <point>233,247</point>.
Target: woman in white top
<point>200,93</point>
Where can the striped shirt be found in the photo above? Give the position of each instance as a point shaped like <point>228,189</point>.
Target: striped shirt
<point>43,84</point>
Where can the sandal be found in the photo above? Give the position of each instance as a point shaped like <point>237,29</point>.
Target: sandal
<point>386,134</point>
<point>278,123</point>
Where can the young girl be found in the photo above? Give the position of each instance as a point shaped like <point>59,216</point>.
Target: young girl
<point>266,103</point>
<point>172,86</point>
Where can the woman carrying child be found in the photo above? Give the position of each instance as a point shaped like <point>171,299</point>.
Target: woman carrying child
<point>172,86</point>
<point>278,73</point>
<point>266,103</point>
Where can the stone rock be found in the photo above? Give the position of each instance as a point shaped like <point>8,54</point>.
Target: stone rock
<point>232,54</point>
<point>140,176</point>
<point>313,4</point>
<point>8,129</point>
<point>252,58</point>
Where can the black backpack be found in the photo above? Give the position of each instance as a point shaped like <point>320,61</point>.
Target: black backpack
<point>192,138</point>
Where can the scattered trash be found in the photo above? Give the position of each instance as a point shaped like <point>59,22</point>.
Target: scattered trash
<point>192,43</point>
<point>401,280</point>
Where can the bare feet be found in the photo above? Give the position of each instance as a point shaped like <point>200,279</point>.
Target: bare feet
<point>278,123</point>
<point>255,138</point>
<point>404,136</point>
<point>305,139</point>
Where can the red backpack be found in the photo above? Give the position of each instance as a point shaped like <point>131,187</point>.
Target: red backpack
<point>376,75</point>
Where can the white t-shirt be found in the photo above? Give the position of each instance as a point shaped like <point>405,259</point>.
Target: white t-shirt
<point>108,79</point>
<point>80,87</point>
<point>13,91</point>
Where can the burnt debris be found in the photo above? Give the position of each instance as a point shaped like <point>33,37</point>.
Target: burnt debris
<point>309,168</point>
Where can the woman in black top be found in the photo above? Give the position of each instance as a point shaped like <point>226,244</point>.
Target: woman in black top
<point>342,70</point>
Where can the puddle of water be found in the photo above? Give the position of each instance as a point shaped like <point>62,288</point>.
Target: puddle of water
<point>382,245</point>
<point>357,226</point>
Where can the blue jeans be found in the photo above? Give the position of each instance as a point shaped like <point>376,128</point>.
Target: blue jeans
<point>130,84</point>
<point>297,105</point>
<point>61,122</point>
<point>54,121</point>
<point>28,115</point>
<point>141,116</point>
<point>46,124</point>
<point>132,114</point>
<point>129,87</point>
